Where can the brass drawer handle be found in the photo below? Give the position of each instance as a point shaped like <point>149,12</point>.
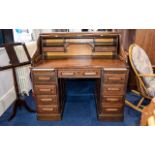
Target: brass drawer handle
<point>90,73</point>
<point>111,109</point>
<point>44,78</point>
<point>44,89</point>
<point>46,99</point>
<point>112,99</point>
<point>67,73</point>
<point>114,89</point>
<point>48,109</point>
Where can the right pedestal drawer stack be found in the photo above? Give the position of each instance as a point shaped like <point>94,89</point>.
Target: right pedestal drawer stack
<point>113,90</point>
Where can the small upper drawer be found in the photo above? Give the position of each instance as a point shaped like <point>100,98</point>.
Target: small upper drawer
<point>44,77</point>
<point>111,90</point>
<point>53,42</point>
<point>114,78</point>
<point>45,89</point>
<point>105,48</point>
<point>82,73</point>
<point>105,41</point>
<point>46,99</point>
<point>53,49</point>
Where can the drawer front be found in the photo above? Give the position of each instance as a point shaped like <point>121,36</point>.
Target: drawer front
<point>53,42</point>
<point>53,49</point>
<point>44,77</point>
<point>45,89</point>
<point>112,110</point>
<point>79,40</point>
<point>83,73</point>
<point>114,78</point>
<point>46,99</point>
<point>105,41</point>
<point>111,90</point>
<point>105,49</point>
<point>113,100</point>
<point>48,109</point>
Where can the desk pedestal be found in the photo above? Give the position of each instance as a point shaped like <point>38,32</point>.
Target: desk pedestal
<point>49,90</point>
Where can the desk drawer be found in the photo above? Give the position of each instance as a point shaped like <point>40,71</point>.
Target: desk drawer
<point>112,110</point>
<point>46,99</point>
<point>48,109</point>
<point>114,78</point>
<point>113,100</point>
<point>83,73</point>
<point>44,77</point>
<point>112,90</point>
<point>45,89</point>
<point>105,49</point>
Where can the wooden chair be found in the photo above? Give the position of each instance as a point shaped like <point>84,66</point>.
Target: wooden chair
<point>145,77</point>
<point>148,115</point>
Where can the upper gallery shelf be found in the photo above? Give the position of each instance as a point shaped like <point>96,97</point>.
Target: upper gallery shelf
<point>84,44</point>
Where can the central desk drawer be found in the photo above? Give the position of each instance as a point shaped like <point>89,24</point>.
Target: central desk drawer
<point>45,89</point>
<point>82,73</point>
<point>46,99</point>
<point>117,89</point>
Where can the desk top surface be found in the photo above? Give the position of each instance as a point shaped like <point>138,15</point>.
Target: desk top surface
<point>81,63</point>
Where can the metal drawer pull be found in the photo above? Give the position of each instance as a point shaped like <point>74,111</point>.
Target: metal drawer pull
<point>114,89</point>
<point>67,73</point>
<point>44,89</point>
<point>90,73</point>
<point>46,99</point>
<point>44,78</point>
<point>48,109</point>
<point>111,109</point>
<point>112,99</point>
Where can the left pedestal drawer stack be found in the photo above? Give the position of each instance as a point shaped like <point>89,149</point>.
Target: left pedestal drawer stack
<point>45,87</point>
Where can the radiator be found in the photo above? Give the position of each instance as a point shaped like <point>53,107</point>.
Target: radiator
<point>23,73</point>
<point>23,79</point>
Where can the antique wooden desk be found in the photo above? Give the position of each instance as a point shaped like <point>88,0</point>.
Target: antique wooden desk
<point>63,56</point>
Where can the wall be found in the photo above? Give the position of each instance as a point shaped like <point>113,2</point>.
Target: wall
<point>146,39</point>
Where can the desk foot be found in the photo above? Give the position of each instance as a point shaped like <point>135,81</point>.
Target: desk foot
<point>49,117</point>
<point>110,118</point>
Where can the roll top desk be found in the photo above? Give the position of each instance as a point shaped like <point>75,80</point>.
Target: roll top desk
<point>63,56</point>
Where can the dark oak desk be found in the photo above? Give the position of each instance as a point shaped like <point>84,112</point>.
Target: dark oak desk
<point>49,76</point>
